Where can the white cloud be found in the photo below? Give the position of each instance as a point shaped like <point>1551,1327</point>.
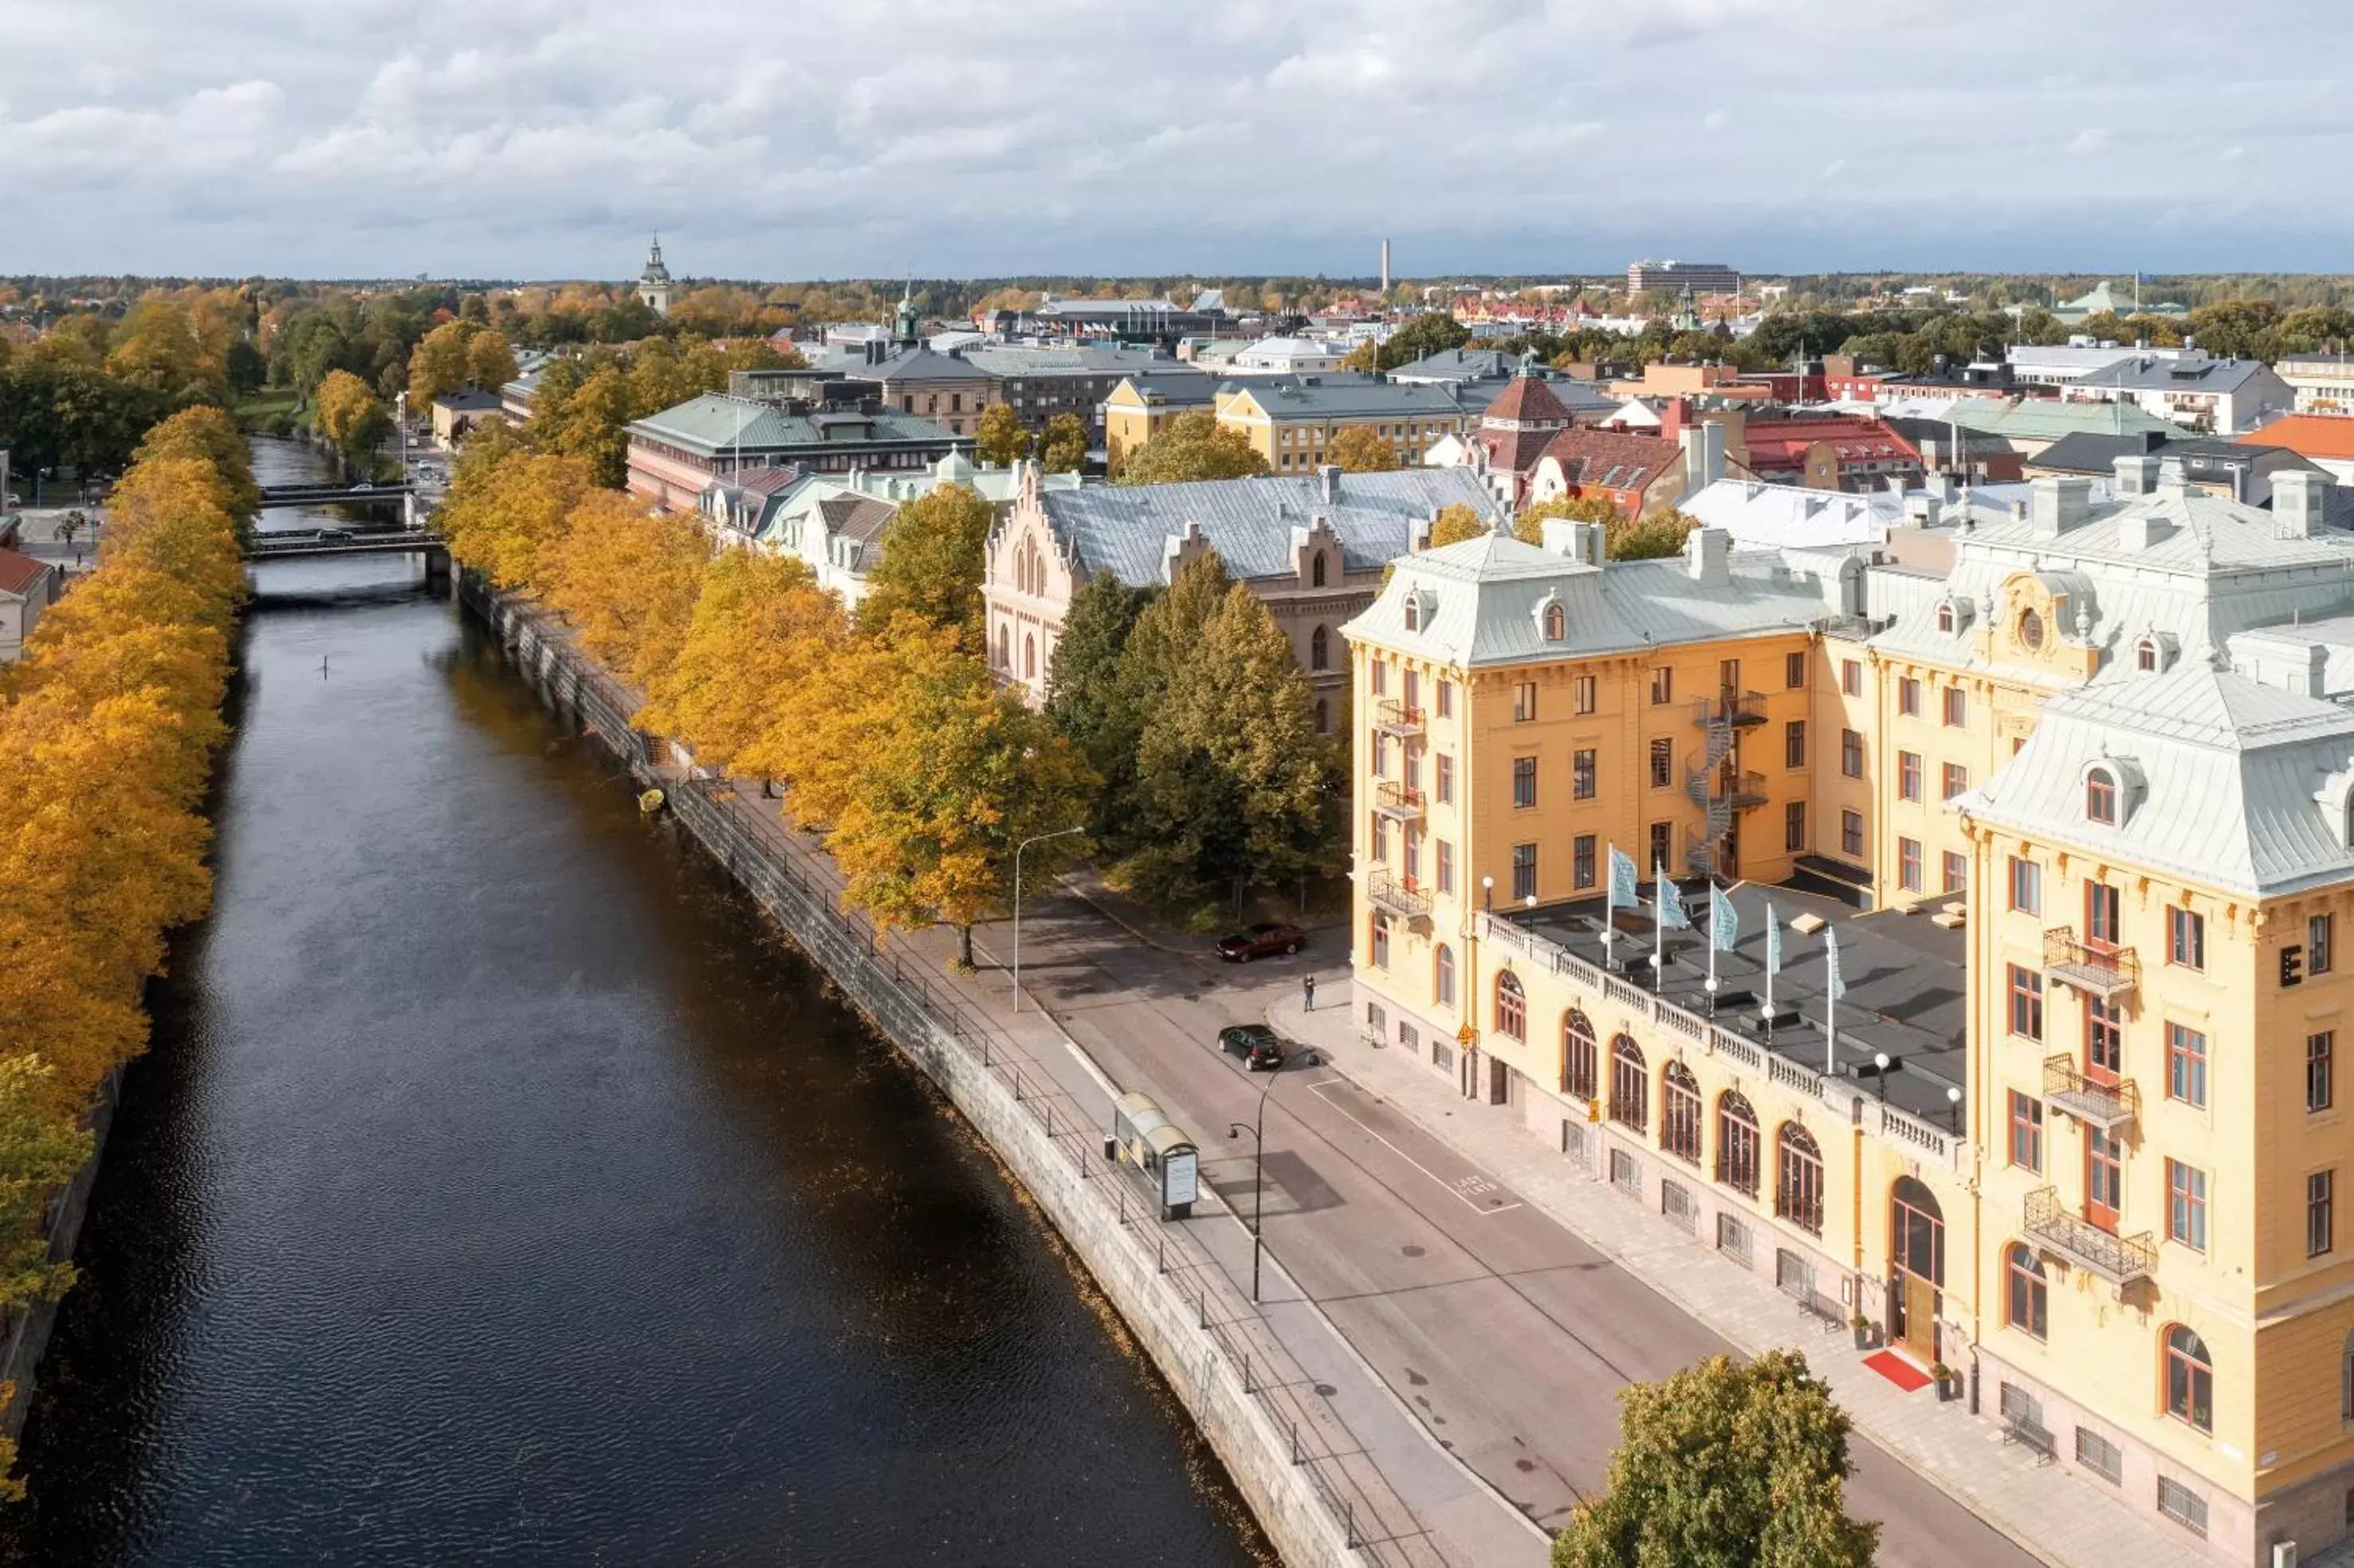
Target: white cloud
<point>545,137</point>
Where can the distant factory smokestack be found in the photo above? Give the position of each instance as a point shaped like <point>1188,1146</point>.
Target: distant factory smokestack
<point>1385,267</point>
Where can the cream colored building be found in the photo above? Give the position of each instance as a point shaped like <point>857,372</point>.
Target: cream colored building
<point>2077,808</point>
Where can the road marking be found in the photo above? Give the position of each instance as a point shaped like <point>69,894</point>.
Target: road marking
<point>1087,1061</point>
<point>1468,1188</point>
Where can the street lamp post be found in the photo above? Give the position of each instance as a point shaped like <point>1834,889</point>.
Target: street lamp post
<point>1025,843</point>
<point>1257,1130</point>
<point>1880,1065</point>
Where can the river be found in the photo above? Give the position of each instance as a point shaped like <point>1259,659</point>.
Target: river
<point>500,1187</point>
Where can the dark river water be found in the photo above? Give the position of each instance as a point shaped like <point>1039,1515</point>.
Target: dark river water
<point>499,1188</point>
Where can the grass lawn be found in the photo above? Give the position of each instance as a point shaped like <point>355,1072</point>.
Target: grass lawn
<point>267,407</point>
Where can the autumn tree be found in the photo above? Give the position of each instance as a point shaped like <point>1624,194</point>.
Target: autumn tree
<point>1193,446</point>
<point>438,365</point>
<point>1455,523</point>
<point>157,347</point>
<point>489,360</point>
<point>1002,439</point>
<point>1358,450</point>
<point>1065,447</point>
<point>506,511</point>
<point>589,425</point>
<point>350,416</point>
<point>1725,1464</point>
<point>1658,532</point>
<point>208,435</point>
<point>933,557</point>
<point>761,629</point>
<point>1529,526</point>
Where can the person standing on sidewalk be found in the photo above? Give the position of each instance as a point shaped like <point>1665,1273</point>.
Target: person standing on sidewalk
<point>1308,992</point>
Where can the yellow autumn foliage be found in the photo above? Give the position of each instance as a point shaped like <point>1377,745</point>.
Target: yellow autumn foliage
<point>627,581</point>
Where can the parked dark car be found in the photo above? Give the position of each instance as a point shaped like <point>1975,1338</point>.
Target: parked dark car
<point>1260,1047</point>
<point>1267,936</point>
<point>328,536</point>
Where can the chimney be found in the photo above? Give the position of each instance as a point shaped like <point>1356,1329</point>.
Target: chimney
<point>1703,449</point>
<point>2056,505</point>
<point>1584,542</point>
<point>1672,417</point>
<point>2172,477</point>
<point>2135,475</point>
<point>1943,486</point>
<point>2296,503</point>
<point>2141,530</point>
<point>1708,556</point>
<point>1328,482</point>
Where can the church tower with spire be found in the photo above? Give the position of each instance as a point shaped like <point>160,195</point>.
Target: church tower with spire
<point>653,283</point>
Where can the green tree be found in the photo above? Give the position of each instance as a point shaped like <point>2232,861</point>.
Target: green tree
<point>1725,1464</point>
<point>933,551</point>
<point>1082,691</point>
<point>1065,449</point>
<point>1423,335</point>
<point>1358,450</point>
<point>1002,439</point>
<point>1193,446</point>
<point>1659,533</point>
<point>591,426</point>
<point>350,416</point>
<point>490,361</point>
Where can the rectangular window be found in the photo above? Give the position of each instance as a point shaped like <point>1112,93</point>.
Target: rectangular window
<point>2320,1232</point>
<point>1794,670</point>
<point>2183,1506</point>
<point>2186,1064</point>
<point>1446,699</point>
<point>1957,873</point>
<point>1524,871</point>
<point>1957,779</point>
<point>1794,743</point>
<point>1378,673</point>
<point>1793,827</point>
<point>1446,856</point>
<point>1582,859</point>
<point>1413,693</point>
<point>1662,835</point>
<point>1908,697</point>
<point>1852,677</point>
<point>2320,1051</point>
<point>1908,776</point>
<point>2025,1132</point>
<point>2186,1205</point>
<point>1851,753</point>
<point>2026,886</point>
<point>2026,1003</point>
<point>1381,837</point>
<point>1958,709</point>
<point>2320,933</point>
<point>1582,773</point>
<point>1524,783</point>
<point>1663,686</point>
<point>2100,1455</point>
<point>2185,938</point>
<point>1851,833</point>
<point>1582,694</point>
<point>1908,864</point>
<point>1662,764</point>
<point>1524,702</point>
<point>2103,917</point>
<point>1446,781</point>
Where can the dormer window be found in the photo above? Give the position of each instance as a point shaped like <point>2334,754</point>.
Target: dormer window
<point>1946,618</point>
<point>1316,570</point>
<point>2101,798</point>
<point>2146,655</point>
<point>1556,623</point>
<point>1413,611</point>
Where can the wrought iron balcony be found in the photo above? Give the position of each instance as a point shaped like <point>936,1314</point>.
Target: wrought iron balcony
<point>1748,791</point>
<point>2107,1106</point>
<point>1391,716</point>
<point>1400,802</point>
<point>2118,1259</point>
<point>1398,894</point>
<point>1739,708</point>
<point>2094,968</point>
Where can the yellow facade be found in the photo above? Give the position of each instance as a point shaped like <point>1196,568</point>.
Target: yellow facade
<point>1132,416</point>
<point>1295,440</point>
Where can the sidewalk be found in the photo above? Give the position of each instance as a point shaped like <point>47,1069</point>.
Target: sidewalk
<point>2048,1510</point>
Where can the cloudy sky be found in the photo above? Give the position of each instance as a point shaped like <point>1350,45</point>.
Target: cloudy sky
<point>788,139</point>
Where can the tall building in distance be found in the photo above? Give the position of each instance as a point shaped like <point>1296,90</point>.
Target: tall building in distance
<point>653,283</point>
<point>1700,277</point>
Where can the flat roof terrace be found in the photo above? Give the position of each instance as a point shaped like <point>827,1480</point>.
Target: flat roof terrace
<point>1905,980</point>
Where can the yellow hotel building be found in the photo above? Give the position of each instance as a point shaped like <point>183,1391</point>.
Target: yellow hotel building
<point>2079,812</point>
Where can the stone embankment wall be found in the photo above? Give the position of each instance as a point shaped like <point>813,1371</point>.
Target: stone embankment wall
<point>1173,1321</point>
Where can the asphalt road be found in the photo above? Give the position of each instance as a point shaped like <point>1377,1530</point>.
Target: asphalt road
<point>1506,1334</point>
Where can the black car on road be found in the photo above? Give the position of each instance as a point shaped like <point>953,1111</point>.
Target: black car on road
<point>1260,1047</point>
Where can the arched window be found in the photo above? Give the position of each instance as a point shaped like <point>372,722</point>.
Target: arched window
<point>1737,1162</point>
<point>1946,618</point>
<point>1323,717</point>
<point>1320,649</point>
<point>1412,612</point>
<point>1029,657</point>
<point>1442,978</point>
<point>1556,623</point>
<point>1680,1112</point>
<point>1316,574</point>
<point>1916,1231</point>
<point>1004,647</point>
<point>1512,1007</point>
<point>1799,1179</point>
<point>2146,654</point>
<point>2189,1379</point>
<point>1578,1056</point>
<point>2101,797</point>
<point>1381,941</point>
<point>1630,1085</point>
<point>2029,1305</point>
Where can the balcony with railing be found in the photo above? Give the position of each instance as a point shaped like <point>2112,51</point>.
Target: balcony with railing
<point>2118,1259</point>
<point>1742,709</point>
<point>1400,802</point>
<point>2094,968</point>
<point>1391,716</point>
<point>1401,896</point>
<point>2107,1106</point>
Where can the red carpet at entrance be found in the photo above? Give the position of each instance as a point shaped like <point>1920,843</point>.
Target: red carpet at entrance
<point>1898,1370</point>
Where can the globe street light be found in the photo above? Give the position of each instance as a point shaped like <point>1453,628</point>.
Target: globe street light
<point>1258,1132</point>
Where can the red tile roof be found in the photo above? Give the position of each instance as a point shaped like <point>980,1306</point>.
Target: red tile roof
<point>1783,443</point>
<point>2308,435</point>
<point>18,572</point>
<point>1614,460</point>
<point>1528,399</point>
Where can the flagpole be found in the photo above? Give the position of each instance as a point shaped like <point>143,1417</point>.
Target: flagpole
<point>1659,925</point>
<point>1610,911</point>
<point>1830,1012</point>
